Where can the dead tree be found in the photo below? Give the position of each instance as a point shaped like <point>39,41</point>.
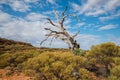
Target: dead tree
<point>61,33</point>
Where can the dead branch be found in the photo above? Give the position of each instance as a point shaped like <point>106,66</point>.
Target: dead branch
<point>57,16</point>
<point>75,34</point>
<point>54,31</point>
<point>44,40</point>
<point>61,33</point>
<point>51,22</point>
<point>63,17</point>
<point>52,40</point>
<point>63,13</point>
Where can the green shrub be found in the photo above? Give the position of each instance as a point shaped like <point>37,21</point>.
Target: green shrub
<point>112,78</point>
<point>103,54</point>
<point>9,59</point>
<point>56,66</point>
<point>4,60</point>
<point>116,60</point>
<point>86,75</point>
<point>116,71</point>
<point>79,52</point>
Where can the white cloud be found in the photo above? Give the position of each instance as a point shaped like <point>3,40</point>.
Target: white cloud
<point>107,27</point>
<point>91,5</point>
<point>35,16</point>
<point>25,5</point>
<point>114,39</point>
<point>20,29</point>
<point>19,5</point>
<point>30,1</point>
<point>80,24</point>
<point>96,7</point>
<point>4,17</point>
<point>94,13</point>
<point>51,1</point>
<point>87,40</point>
<point>112,4</point>
<point>76,7</point>
<point>105,18</point>
<point>90,26</point>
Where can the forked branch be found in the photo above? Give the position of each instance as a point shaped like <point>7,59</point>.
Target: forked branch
<point>51,22</point>
<point>61,33</point>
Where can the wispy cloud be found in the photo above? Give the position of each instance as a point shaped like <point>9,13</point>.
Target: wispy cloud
<point>96,7</point>
<point>35,16</point>
<point>80,24</point>
<point>25,5</point>
<point>18,5</point>
<point>51,1</point>
<point>105,18</point>
<point>96,13</point>
<point>107,27</point>
<point>114,39</point>
<point>75,6</point>
<point>20,29</point>
<point>4,17</point>
<point>87,40</point>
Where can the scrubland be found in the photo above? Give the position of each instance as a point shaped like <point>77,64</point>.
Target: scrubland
<point>101,62</point>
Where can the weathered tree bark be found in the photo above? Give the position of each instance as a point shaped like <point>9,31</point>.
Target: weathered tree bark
<point>62,33</point>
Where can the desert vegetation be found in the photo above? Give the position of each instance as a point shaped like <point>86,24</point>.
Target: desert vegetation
<point>55,34</point>
<point>101,62</point>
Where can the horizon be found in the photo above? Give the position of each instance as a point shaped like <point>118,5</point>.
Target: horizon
<point>24,20</point>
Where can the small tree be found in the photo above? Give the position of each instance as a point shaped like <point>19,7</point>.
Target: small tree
<point>62,32</point>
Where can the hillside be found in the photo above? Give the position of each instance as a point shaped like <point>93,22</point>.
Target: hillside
<point>22,61</point>
<point>4,41</point>
<point>7,45</point>
<point>12,46</point>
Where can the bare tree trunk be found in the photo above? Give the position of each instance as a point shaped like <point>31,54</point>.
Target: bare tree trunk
<point>62,33</point>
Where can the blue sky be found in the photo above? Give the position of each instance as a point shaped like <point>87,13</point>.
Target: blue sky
<point>24,20</point>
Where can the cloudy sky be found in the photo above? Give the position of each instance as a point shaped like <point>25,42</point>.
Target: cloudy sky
<point>24,20</point>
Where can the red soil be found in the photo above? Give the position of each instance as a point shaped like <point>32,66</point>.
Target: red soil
<point>14,76</point>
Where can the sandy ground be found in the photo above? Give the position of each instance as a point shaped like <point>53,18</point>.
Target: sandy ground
<point>14,76</point>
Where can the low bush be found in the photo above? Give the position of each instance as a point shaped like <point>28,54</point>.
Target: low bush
<point>116,71</point>
<point>57,66</point>
<point>9,59</point>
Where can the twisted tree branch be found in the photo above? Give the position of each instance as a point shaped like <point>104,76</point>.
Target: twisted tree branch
<point>51,22</point>
<point>61,33</point>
